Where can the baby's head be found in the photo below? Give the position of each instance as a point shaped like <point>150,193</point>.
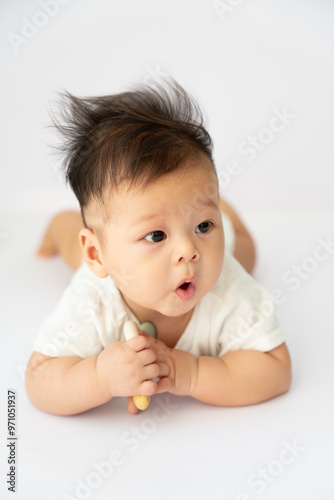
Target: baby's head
<point>140,164</point>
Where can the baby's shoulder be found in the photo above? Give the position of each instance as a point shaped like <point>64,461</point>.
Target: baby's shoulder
<point>85,285</point>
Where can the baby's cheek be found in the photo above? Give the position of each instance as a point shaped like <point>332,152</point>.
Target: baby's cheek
<point>136,284</point>
<point>123,277</point>
<point>215,265</point>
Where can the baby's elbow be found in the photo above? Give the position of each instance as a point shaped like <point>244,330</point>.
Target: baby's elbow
<point>286,379</point>
<point>282,356</point>
<point>32,379</point>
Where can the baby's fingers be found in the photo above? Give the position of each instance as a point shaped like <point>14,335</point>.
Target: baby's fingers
<point>156,370</point>
<point>132,408</point>
<point>146,357</point>
<point>147,388</point>
<point>164,370</point>
<point>151,371</point>
<point>138,343</point>
<point>165,384</point>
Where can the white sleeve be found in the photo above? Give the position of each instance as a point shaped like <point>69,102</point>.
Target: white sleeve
<point>249,319</point>
<point>82,323</point>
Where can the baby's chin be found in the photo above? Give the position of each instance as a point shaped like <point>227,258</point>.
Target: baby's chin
<point>171,305</point>
<point>153,308</point>
<point>178,309</point>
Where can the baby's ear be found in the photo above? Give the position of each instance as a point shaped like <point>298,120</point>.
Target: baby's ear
<point>91,251</point>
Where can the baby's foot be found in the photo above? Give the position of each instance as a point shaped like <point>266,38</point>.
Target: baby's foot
<point>52,238</point>
<point>62,237</point>
<point>48,247</point>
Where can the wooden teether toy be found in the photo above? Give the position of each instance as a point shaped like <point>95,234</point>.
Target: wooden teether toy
<point>130,331</point>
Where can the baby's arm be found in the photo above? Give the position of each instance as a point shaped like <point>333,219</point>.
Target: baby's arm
<point>64,386</point>
<point>237,378</point>
<point>243,377</point>
<point>69,385</point>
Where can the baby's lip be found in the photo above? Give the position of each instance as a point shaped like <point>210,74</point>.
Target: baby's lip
<point>186,293</point>
<point>191,280</point>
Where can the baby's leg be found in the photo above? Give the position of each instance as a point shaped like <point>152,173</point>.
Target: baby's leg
<point>244,250</point>
<point>62,237</point>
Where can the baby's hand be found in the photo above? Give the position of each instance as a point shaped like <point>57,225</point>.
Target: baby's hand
<point>127,368</point>
<point>182,369</point>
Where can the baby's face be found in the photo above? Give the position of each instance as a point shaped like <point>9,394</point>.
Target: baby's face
<point>164,245</point>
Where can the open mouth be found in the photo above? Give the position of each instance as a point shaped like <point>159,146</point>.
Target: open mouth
<point>186,290</point>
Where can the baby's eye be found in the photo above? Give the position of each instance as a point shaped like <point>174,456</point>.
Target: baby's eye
<point>155,236</point>
<point>203,227</point>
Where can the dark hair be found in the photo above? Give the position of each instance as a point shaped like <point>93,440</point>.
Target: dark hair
<point>136,136</point>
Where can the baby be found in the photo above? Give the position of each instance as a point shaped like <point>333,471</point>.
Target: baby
<point>152,239</point>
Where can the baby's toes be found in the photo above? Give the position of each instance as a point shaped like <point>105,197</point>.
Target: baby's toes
<point>47,247</point>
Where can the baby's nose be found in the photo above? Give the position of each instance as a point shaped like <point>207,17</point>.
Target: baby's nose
<point>187,251</point>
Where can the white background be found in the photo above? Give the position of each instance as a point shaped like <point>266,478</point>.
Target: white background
<point>241,60</point>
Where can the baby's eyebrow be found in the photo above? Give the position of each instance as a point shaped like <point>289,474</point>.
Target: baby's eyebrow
<point>208,202</point>
<point>144,218</point>
<point>201,203</point>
